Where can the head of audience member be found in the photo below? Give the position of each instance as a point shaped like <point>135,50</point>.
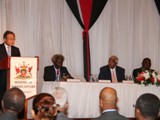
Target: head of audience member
<point>113,61</point>
<point>13,100</point>
<point>146,64</point>
<point>108,98</point>
<point>44,107</point>
<point>57,60</point>
<point>9,38</point>
<point>147,107</point>
<point>60,95</point>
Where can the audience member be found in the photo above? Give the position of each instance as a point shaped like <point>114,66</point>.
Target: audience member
<point>147,107</point>
<point>12,103</point>
<point>112,71</point>
<point>146,65</point>
<point>44,107</point>
<point>60,95</point>
<point>56,72</point>
<point>108,100</point>
<point>7,48</point>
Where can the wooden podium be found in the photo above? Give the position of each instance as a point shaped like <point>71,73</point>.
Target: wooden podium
<point>22,72</point>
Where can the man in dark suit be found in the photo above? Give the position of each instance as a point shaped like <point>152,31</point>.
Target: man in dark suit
<point>146,65</point>
<point>56,72</point>
<point>112,71</point>
<point>9,41</point>
<point>12,103</point>
<point>108,100</point>
<point>7,48</point>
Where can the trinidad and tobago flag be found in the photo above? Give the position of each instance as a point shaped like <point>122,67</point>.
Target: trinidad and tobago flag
<point>90,11</point>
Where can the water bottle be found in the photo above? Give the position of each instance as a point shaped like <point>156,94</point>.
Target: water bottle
<point>130,78</point>
<point>91,78</point>
<point>57,79</point>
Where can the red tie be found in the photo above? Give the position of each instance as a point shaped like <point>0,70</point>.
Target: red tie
<point>58,74</point>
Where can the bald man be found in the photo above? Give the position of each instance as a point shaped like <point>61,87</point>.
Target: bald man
<point>112,71</point>
<point>108,100</point>
<point>12,103</point>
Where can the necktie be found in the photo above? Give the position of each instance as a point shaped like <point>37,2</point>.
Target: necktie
<point>114,80</point>
<point>9,50</point>
<point>58,74</point>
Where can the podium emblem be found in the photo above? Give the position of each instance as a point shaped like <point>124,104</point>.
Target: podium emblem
<point>23,71</point>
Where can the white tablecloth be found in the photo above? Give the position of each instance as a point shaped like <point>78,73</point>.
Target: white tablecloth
<point>84,97</point>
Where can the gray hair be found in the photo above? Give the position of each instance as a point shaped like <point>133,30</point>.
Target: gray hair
<point>114,58</point>
<point>56,57</point>
<point>60,95</point>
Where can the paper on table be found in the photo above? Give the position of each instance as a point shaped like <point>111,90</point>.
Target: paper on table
<point>128,82</point>
<point>106,81</point>
<point>73,80</point>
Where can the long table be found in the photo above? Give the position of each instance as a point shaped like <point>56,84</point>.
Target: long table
<point>84,97</point>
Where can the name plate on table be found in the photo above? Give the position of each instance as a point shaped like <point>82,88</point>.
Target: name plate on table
<point>128,82</point>
<point>104,81</point>
<point>73,80</point>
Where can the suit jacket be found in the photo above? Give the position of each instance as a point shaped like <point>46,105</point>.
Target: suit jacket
<point>8,116</point>
<point>62,116</point>
<point>139,70</point>
<point>50,74</point>
<point>114,115</point>
<point>14,51</point>
<point>3,73</point>
<point>105,73</point>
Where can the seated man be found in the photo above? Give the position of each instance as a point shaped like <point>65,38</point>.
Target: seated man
<point>44,107</point>
<point>12,103</point>
<point>108,100</point>
<point>60,95</point>
<point>56,72</point>
<point>146,64</point>
<point>112,71</point>
<point>147,107</point>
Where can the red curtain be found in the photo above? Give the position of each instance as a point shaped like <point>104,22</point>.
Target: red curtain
<point>90,9</point>
<point>86,10</point>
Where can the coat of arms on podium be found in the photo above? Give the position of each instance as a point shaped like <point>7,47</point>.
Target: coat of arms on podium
<point>23,71</point>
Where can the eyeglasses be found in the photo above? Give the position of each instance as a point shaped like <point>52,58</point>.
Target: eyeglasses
<point>46,108</point>
<point>10,38</point>
<point>55,105</point>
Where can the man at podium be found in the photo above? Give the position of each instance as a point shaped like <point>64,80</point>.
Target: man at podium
<point>7,48</point>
